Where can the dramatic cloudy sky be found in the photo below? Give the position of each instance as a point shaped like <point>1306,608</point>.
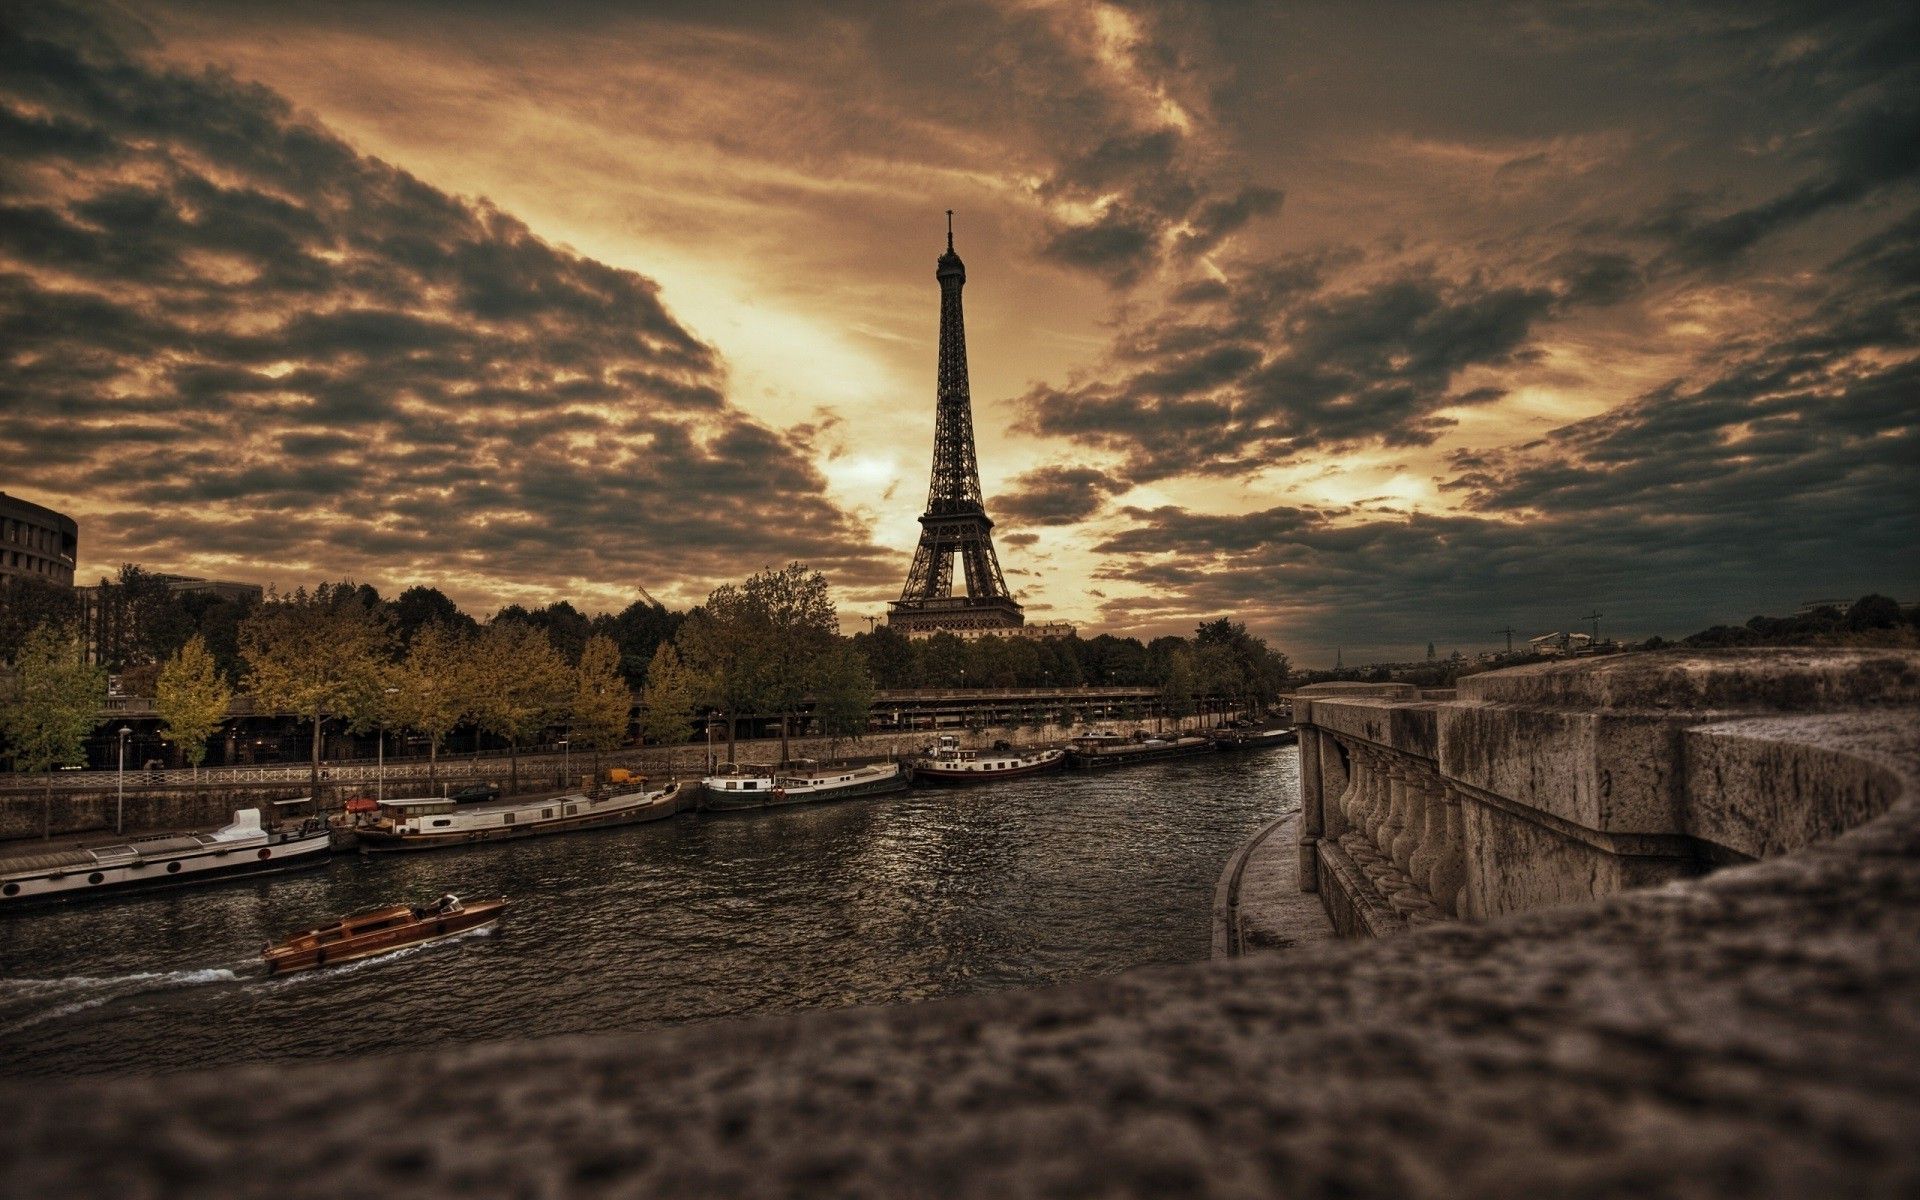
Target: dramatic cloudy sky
<point>1371,325</point>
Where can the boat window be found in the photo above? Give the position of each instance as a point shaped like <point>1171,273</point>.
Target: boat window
<point>507,817</point>
<point>572,808</point>
<point>442,823</point>
<point>545,813</point>
<point>751,786</point>
<point>12,889</point>
<point>96,877</point>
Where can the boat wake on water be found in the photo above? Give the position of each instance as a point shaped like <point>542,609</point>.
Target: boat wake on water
<point>21,1000</point>
<point>337,970</point>
<point>25,1003</point>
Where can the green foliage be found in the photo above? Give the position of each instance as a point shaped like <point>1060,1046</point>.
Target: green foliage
<point>420,608</point>
<point>602,703</point>
<point>320,654</point>
<point>140,619</point>
<point>758,643</point>
<point>430,685</point>
<point>670,698</point>
<point>842,693</point>
<point>55,700</point>
<point>517,683</point>
<point>192,698</point>
<point>28,603</point>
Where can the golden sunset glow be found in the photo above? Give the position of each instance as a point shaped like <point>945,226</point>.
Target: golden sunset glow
<point>1370,332</point>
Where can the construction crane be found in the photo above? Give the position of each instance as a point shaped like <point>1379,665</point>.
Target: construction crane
<point>1509,631</point>
<point>1595,618</point>
<point>872,623</point>
<point>648,596</point>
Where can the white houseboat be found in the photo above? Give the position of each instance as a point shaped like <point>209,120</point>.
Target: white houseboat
<point>436,822</point>
<point>736,787</point>
<point>244,847</point>
<point>946,763</point>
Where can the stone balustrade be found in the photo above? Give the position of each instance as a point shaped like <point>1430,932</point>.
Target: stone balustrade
<point>1568,782</point>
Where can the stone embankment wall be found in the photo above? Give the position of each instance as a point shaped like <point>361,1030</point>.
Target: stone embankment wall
<point>1753,1033</point>
<point>86,802</point>
<point>1565,783</point>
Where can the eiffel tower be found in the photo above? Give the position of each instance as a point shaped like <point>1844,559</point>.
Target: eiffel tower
<point>956,521</point>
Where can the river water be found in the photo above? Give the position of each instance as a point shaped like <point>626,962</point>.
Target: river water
<point>900,898</point>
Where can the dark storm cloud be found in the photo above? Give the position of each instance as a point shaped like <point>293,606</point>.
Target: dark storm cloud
<point>1289,363</point>
<point>1783,471</point>
<point>1862,156</point>
<point>1055,495</point>
<point>211,308</point>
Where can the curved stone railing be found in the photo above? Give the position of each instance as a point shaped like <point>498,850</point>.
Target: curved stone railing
<point>1567,782</point>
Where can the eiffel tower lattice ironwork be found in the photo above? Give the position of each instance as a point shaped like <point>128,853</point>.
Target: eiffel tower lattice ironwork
<point>955,524</point>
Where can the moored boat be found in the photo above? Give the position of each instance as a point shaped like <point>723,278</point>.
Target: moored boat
<point>1254,738</point>
<point>430,823</point>
<point>377,931</point>
<point>797,783</point>
<point>946,763</point>
<point>1100,749</point>
<point>242,848</point>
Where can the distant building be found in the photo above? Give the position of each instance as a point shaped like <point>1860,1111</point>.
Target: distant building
<point>1809,607</point>
<point>226,589</point>
<point>36,542</point>
<point>1551,644</point>
<point>1043,629</point>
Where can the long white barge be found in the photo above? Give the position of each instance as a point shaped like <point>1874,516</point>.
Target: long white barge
<point>946,763</point>
<point>797,783</point>
<point>432,823</point>
<point>242,848</point>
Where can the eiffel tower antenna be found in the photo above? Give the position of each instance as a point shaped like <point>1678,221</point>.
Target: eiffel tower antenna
<point>1509,632</point>
<point>956,521</point>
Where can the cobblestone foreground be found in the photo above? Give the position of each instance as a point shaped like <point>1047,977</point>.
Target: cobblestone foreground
<point>1753,1033</point>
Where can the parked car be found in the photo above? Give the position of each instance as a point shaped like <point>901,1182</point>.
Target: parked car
<point>475,793</point>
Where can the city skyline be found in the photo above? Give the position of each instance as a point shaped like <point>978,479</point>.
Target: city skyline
<point>1365,333</point>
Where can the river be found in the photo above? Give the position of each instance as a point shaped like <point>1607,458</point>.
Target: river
<point>925,894</point>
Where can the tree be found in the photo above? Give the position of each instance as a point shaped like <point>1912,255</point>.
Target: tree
<point>420,607</point>
<point>28,602</point>
<point>430,686</point>
<point>842,694</point>
<point>1176,694</point>
<point>55,702</point>
<point>758,643</point>
<point>318,655</point>
<point>517,685</point>
<point>192,699</point>
<point>602,704</point>
<point>673,689</point>
<point>140,619</point>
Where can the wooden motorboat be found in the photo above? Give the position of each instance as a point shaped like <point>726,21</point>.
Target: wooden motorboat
<point>377,931</point>
<point>946,763</point>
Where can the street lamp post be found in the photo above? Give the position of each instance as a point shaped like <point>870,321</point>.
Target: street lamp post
<point>566,760</point>
<point>120,806</point>
<point>710,717</point>
<point>380,754</point>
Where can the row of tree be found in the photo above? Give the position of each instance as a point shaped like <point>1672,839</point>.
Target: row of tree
<point>1221,659</point>
<point>769,646</point>
<point>138,621</point>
